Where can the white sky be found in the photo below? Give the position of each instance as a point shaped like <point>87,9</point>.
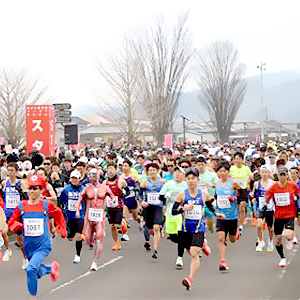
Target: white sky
<point>57,40</point>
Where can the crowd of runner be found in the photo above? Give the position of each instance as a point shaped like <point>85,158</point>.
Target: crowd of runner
<point>180,193</point>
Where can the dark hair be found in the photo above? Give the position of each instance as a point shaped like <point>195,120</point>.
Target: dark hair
<point>194,172</point>
<point>2,161</point>
<point>280,162</point>
<point>112,164</point>
<point>194,159</point>
<point>56,164</point>
<point>80,164</point>
<point>127,161</point>
<point>241,155</point>
<point>294,168</point>
<point>223,164</point>
<point>201,159</point>
<point>152,165</point>
<point>68,159</point>
<point>185,160</point>
<point>141,156</point>
<point>13,165</point>
<point>41,169</point>
<point>48,158</point>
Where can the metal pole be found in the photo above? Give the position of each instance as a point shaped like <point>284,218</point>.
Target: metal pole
<point>262,68</point>
<point>183,120</point>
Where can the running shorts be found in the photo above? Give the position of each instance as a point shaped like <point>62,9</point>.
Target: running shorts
<point>74,226</point>
<point>209,214</point>
<point>242,195</point>
<point>173,224</point>
<point>228,226</point>
<point>280,224</point>
<point>131,203</point>
<point>188,239</point>
<point>267,215</point>
<point>153,215</point>
<point>115,215</point>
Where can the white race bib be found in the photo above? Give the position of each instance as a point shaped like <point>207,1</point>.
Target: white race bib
<point>262,203</point>
<point>153,198</point>
<point>72,205</point>
<point>112,202</point>
<point>58,191</point>
<point>12,200</point>
<point>96,214</point>
<point>282,199</point>
<point>33,227</point>
<point>195,213</point>
<point>223,202</point>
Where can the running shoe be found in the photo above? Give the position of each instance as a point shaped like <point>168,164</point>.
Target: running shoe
<point>206,249</point>
<point>147,246</point>
<point>241,230</point>
<point>25,263</point>
<point>237,235</point>
<point>260,246</point>
<point>7,255</point>
<point>295,240</point>
<point>94,266</point>
<point>223,266</point>
<point>253,221</point>
<point>187,282</point>
<point>141,225</point>
<point>270,246</point>
<point>289,244</point>
<point>116,246</point>
<point>91,247</point>
<point>179,262</point>
<point>76,259</point>
<point>154,255</point>
<point>282,263</point>
<point>54,271</point>
<point>125,237</point>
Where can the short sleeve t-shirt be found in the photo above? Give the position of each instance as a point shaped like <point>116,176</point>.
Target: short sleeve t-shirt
<point>210,177</point>
<point>241,175</point>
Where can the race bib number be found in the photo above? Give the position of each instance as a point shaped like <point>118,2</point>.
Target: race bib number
<point>282,199</point>
<point>131,193</point>
<point>112,202</point>
<point>12,200</point>
<point>58,191</point>
<point>195,213</point>
<point>223,202</point>
<point>95,214</point>
<point>33,227</point>
<point>72,205</point>
<point>153,198</point>
<point>262,202</point>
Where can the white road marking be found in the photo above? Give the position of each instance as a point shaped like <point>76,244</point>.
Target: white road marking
<point>86,274</point>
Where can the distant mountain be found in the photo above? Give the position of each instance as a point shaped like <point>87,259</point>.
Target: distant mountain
<point>281,95</point>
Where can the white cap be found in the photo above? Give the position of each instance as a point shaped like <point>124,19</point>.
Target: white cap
<point>227,157</point>
<point>221,153</point>
<point>83,159</point>
<point>93,161</point>
<point>188,152</point>
<point>75,174</point>
<point>256,155</point>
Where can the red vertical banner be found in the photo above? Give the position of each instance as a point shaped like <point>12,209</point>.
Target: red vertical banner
<point>168,141</point>
<point>40,129</point>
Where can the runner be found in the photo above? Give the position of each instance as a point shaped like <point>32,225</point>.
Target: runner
<point>226,196</point>
<point>168,195</point>
<point>153,207</point>
<point>284,193</point>
<point>191,203</point>
<point>241,174</point>
<point>67,200</point>
<point>265,211</point>
<point>94,195</point>
<point>31,218</point>
<point>115,205</point>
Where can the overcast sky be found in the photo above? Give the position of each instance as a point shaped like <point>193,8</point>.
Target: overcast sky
<point>57,40</point>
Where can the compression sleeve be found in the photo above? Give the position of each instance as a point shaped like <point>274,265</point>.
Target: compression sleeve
<point>162,198</point>
<point>176,209</point>
<point>210,206</point>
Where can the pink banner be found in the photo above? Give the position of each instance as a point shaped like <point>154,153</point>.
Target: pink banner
<point>168,141</point>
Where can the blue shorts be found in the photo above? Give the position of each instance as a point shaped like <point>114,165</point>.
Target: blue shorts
<point>131,203</point>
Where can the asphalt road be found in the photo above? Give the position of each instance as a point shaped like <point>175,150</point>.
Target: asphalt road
<point>132,274</point>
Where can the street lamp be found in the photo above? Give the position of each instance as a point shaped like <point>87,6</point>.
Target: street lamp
<point>262,68</point>
<point>183,120</point>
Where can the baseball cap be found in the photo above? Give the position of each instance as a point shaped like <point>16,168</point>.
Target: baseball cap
<point>75,174</point>
<point>193,172</point>
<point>179,169</point>
<point>35,180</point>
<point>283,170</point>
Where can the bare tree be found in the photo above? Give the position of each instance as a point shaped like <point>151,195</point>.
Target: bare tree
<point>220,77</point>
<point>16,91</point>
<point>121,107</point>
<point>163,56</point>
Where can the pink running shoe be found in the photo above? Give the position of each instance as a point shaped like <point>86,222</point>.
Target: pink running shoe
<point>54,271</point>
<point>205,248</point>
<point>187,282</point>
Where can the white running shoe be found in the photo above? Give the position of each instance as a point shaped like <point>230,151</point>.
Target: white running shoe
<point>260,246</point>
<point>76,259</point>
<point>241,229</point>
<point>270,246</point>
<point>282,263</point>
<point>25,263</point>
<point>125,237</point>
<point>7,255</point>
<point>179,262</point>
<point>295,240</point>
<point>289,244</point>
<point>94,266</point>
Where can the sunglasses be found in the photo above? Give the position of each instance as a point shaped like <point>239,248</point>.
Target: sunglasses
<point>35,187</point>
<point>185,167</point>
<point>171,166</point>
<point>47,164</point>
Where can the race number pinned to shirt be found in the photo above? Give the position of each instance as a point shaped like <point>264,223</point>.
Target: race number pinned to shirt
<point>282,199</point>
<point>262,203</point>
<point>223,202</point>
<point>195,213</point>
<point>95,214</point>
<point>12,200</point>
<point>112,203</point>
<point>33,227</point>
<point>72,205</point>
<point>153,198</point>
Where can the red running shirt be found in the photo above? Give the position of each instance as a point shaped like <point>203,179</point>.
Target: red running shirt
<point>284,199</point>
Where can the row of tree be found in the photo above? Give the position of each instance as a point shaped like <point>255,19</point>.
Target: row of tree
<point>147,73</point>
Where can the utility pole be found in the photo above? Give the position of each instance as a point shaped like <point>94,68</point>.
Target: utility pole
<point>183,120</point>
<point>262,68</point>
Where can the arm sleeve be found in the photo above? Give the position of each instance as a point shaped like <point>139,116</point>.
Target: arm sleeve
<point>14,223</point>
<point>177,209</point>
<point>59,219</point>
<point>162,199</point>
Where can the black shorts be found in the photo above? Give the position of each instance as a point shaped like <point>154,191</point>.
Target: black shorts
<point>189,240</point>
<point>153,215</point>
<point>242,195</point>
<point>280,224</point>
<point>74,226</point>
<point>267,215</point>
<point>115,215</point>
<point>228,226</point>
